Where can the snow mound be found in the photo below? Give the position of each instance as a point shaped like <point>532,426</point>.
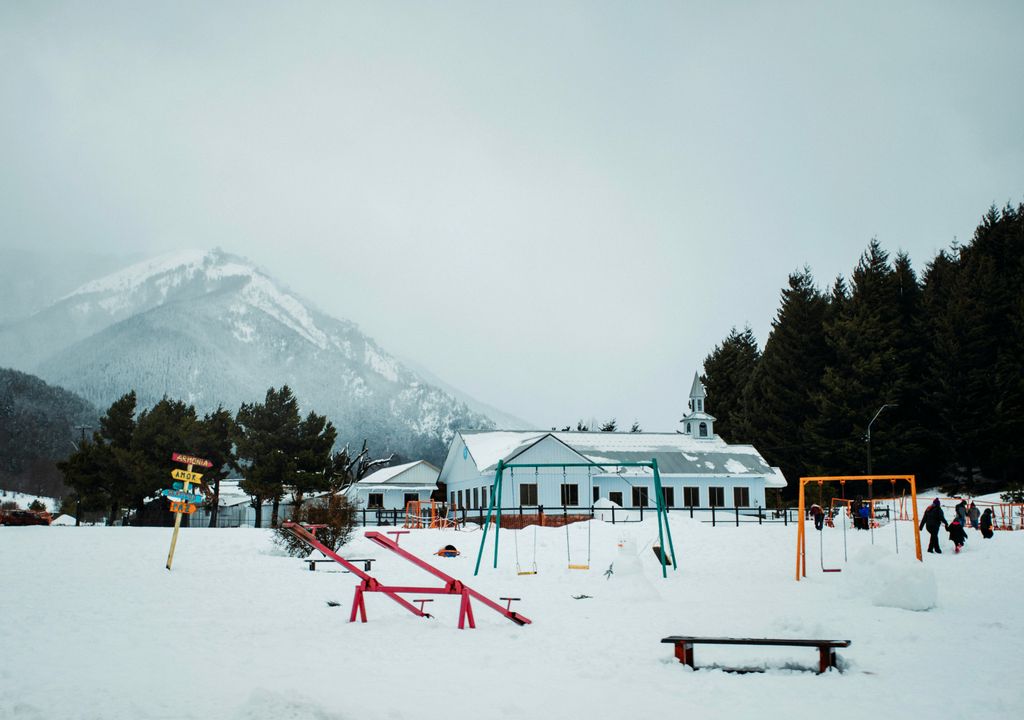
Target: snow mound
<point>889,580</point>
<point>63,520</point>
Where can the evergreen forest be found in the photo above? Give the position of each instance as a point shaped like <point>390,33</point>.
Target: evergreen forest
<point>930,363</point>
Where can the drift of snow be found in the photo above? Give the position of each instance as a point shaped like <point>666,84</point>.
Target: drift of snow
<point>101,629</point>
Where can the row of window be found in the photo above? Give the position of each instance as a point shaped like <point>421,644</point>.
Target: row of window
<point>570,496</point>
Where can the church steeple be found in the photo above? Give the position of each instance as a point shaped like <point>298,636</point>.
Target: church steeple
<point>697,422</point>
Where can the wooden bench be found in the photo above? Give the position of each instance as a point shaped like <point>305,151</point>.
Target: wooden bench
<point>367,562</point>
<point>826,648</point>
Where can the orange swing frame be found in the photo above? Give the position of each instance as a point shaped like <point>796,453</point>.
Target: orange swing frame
<point>801,533</point>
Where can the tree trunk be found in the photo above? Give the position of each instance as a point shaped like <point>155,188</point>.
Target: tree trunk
<point>259,511</point>
<point>274,512</point>
<point>216,503</point>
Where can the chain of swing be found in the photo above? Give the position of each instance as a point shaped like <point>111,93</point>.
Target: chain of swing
<point>848,516</point>
<point>532,569</point>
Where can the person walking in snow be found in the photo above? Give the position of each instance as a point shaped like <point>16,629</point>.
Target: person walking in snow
<point>819,516</point>
<point>934,519</point>
<point>957,535</point>
<point>973,515</point>
<point>986,523</point>
<point>961,512</point>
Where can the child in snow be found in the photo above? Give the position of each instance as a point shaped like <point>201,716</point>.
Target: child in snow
<point>934,519</point>
<point>957,535</point>
<point>986,523</point>
<point>973,515</point>
<point>819,516</point>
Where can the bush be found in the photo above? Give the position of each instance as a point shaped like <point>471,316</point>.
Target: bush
<point>9,505</point>
<point>37,506</point>
<point>334,512</point>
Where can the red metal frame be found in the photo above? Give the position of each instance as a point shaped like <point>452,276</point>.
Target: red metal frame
<point>368,583</point>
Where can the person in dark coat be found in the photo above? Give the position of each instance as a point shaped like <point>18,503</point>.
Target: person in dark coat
<point>957,535</point>
<point>819,516</point>
<point>973,515</point>
<point>961,512</point>
<point>865,517</point>
<point>933,520</point>
<point>986,523</point>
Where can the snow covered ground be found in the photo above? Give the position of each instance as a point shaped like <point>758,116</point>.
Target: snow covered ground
<point>93,626</point>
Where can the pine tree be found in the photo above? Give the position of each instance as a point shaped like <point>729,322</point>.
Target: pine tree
<point>215,442</point>
<point>869,368</point>
<point>728,370</point>
<point>610,426</point>
<point>780,397</point>
<point>266,445</point>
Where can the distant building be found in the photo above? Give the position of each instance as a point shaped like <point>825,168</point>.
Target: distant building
<point>391,488</point>
<point>697,467</point>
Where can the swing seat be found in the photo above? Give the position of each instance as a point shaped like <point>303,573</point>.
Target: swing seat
<point>526,572</point>
<point>578,567</point>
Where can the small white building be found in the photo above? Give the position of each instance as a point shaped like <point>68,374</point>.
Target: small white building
<point>391,488</point>
<point>697,468</point>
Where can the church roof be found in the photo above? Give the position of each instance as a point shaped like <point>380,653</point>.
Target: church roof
<point>677,454</point>
<point>697,389</point>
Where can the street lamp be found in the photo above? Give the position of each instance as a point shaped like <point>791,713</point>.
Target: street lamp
<point>867,437</point>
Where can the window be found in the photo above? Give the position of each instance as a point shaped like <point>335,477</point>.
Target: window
<point>476,498</point>
<point>741,497</point>
<point>451,502</point>
<point>459,496</point>
<point>483,496</point>
<point>688,429</point>
<point>703,429</point>
<point>375,501</point>
<point>700,406</point>
<point>717,496</point>
<point>571,494</point>
<point>639,497</point>
<point>670,496</point>
<point>615,497</point>
<point>528,494</point>
<point>411,497</point>
<point>597,493</point>
<point>691,497</point>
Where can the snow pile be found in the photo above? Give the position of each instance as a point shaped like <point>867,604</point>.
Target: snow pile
<point>63,520</point>
<point>889,580</point>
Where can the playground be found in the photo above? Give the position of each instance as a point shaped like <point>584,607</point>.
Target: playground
<point>95,626</point>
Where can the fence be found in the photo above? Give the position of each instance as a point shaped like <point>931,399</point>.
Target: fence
<point>520,516</point>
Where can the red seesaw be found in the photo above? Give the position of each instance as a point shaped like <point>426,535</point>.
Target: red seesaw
<point>307,533</point>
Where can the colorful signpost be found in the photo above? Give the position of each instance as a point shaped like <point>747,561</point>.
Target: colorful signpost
<point>183,500</point>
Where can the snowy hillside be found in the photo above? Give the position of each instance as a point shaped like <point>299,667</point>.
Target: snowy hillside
<point>212,328</point>
<point>101,629</point>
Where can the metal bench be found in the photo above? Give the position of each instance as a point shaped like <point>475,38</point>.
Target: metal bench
<point>826,648</point>
<point>367,562</point>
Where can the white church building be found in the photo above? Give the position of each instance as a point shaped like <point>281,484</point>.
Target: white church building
<point>697,468</point>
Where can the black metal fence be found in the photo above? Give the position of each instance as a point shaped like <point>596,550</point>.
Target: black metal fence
<point>520,515</point>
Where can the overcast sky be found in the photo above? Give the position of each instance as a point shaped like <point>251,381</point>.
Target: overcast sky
<point>559,208</point>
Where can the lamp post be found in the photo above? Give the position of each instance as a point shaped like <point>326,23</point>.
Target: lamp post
<point>867,437</point>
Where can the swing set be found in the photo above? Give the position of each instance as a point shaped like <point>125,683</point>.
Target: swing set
<point>494,510</point>
<point>801,537</point>
<point>539,517</point>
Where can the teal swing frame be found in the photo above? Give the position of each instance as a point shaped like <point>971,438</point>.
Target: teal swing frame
<point>664,532</point>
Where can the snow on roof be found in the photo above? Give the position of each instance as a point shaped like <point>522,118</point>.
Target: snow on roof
<point>676,453</point>
<point>391,474</point>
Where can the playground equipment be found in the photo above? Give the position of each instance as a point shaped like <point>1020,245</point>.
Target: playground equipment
<point>369,584</point>
<point>420,514</point>
<point>801,537</point>
<point>496,499</point>
<point>532,569</point>
<point>581,565</point>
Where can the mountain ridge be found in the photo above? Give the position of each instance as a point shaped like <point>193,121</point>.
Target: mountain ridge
<point>212,328</point>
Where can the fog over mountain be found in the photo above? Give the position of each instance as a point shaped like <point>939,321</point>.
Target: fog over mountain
<point>211,328</point>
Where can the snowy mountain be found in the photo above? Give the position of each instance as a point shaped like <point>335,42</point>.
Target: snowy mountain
<point>211,328</point>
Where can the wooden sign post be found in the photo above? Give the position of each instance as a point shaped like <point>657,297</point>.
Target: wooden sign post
<point>181,500</point>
